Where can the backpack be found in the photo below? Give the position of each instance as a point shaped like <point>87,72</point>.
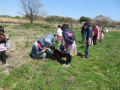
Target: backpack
<point>70,37</point>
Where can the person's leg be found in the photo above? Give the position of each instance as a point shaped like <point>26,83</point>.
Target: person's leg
<point>83,37</point>
<point>3,57</point>
<point>95,40</point>
<point>87,50</point>
<point>68,58</point>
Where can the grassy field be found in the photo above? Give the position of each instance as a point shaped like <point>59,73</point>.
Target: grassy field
<point>100,72</point>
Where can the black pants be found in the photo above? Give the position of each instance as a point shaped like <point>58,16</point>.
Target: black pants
<point>94,39</point>
<point>68,58</point>
<point>3,56</point>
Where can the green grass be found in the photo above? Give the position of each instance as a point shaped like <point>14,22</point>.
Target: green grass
<point>100,72</point>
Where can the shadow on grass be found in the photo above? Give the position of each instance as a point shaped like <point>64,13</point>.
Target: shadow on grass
<point>61,61</point>
<point>79,54</point>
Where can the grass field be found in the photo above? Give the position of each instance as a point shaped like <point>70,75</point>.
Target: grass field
<point>100,72</point>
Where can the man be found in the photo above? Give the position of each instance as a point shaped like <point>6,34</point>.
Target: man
<point>88,39</point>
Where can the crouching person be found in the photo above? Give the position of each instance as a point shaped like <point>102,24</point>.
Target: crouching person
<point>40,49</point>
<point>4,45</point>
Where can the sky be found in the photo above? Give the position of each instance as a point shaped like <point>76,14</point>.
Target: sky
<point>68,8</point>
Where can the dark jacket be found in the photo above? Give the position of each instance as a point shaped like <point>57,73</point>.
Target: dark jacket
<point>83,31</point>
<point>89,33</point>
<point>69,41</point>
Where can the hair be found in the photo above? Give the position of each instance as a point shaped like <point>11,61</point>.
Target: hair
<point>59,26</point>
<point>54,35</point>
<point>1,29</point>
<point>65,26</point>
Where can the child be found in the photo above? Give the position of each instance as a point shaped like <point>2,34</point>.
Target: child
<point>40,48</point>
<point>69,39</point>
<point>3,46</point>
<point>101,36</point>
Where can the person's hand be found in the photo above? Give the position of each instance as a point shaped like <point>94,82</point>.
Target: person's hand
<point>89,41</point>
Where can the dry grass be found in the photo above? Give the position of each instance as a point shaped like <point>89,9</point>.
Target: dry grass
<point>19,21</point>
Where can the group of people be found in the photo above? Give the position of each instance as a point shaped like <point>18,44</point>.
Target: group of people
<point>44,47</point>
<point>92,34</point>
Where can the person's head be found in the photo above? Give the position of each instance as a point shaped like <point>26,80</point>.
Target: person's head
<point>1,29</point>
<point>86,25</point>
<point>59,26</point>
<point>41,42</point>
<point>64,27</point>
<point>48,43</point>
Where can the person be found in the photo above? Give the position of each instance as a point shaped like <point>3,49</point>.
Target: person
<point>68,40</point>
<point>51,38</point>
<point>101,35</point>
<point>88,39</point>
<point>83,32</point>
<point>59,35</point>
<point>4,45</point>
<point>40,48</point>
<point>96,34</point>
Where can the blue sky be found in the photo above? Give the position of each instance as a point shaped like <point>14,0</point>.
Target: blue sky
<point>70,8</point>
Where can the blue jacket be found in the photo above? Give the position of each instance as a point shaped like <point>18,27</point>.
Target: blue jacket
<point>51,38</point>
<point>89,33</point>
<point>36,52</point>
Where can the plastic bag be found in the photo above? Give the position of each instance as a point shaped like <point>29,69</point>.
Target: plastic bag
<point>73,51</point>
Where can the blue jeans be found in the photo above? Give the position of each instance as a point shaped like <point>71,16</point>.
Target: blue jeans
<point>87,49</point>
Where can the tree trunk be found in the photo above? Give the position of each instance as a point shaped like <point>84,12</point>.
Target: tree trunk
<point>31,18</point>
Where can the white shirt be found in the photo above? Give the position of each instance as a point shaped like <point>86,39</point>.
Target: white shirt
<point>59,32</point>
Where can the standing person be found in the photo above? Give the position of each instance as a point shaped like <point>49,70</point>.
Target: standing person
<point>69,39</point>
<point>3,45</point>
<point>96,34</point>
<point>88,39</point>
<point>59,35</point>
<point>83,32</point>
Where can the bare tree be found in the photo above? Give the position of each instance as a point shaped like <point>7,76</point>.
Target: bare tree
<point>31,8</point>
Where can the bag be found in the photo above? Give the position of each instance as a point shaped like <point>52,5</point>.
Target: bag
<point>73,51</point>
<point>70,37</point>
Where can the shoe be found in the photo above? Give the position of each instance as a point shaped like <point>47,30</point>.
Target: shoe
<point>64,65</point>
<point>84,57</point>
<point>68,65</point>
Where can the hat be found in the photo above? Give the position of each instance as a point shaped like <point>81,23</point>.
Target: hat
<point>48,41</point>
<point>41,41</point>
